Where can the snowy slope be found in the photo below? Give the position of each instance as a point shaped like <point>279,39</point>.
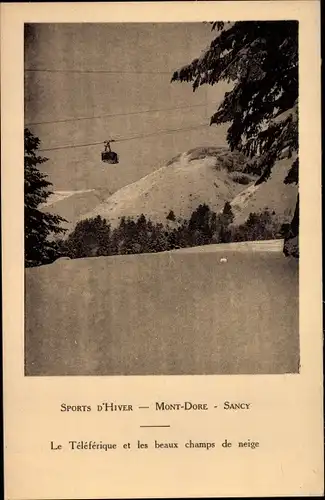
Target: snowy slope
<point>180,186</point>
<point>272,195</point>
<point>188,180</point>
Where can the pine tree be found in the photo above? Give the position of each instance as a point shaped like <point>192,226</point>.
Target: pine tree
<point>260,60</point>
<point>39,226</point>
<point>227,213</point>
<point>202,225</point>
<point>90,238</point>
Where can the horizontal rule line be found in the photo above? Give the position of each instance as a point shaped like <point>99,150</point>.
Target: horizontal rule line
<point>154,425</point>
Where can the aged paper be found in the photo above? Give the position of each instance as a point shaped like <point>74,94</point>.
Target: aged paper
<point>183,373</point>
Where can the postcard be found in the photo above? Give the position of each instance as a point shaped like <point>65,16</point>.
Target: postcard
<point>161,218</point>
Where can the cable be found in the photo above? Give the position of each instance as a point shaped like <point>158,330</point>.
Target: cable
<point>73,146</point>
<point>65,120</point>
<point>99,71</point>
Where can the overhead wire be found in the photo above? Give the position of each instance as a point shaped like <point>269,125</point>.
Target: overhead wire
<point>140,136</point>
<point>99,71</point>
<point>123,139</point>
<point>113,115</point>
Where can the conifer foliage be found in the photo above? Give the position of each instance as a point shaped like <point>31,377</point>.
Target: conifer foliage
<point>40,246</point>
<point>260,60</point>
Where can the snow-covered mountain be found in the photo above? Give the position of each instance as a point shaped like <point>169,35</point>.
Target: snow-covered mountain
<point>203,175</point>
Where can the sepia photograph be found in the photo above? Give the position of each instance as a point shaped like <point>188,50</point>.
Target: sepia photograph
<point>161,198</point>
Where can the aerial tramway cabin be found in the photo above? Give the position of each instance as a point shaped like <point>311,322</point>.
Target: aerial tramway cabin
<point>109,156</point>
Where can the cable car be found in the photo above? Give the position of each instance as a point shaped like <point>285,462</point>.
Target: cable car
<point>109,156</point>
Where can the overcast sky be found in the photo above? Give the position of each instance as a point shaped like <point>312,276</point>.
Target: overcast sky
<point>127,50</point>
